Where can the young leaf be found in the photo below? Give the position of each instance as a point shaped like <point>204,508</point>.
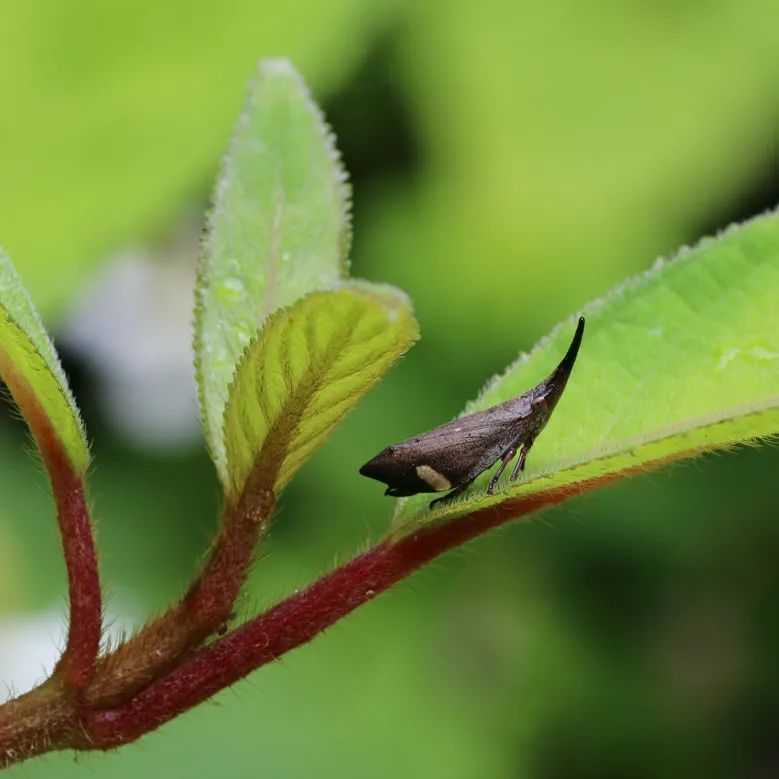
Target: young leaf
<point>677,361</point>
<point>310,365</point>
<point>32,371</point>
<point>279,229</point>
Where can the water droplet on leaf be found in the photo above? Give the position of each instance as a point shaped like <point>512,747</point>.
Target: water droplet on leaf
<point>231,289</point>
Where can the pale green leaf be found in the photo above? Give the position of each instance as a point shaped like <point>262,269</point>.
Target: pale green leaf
<point>310,365</point>
<point>679,360</point>
<point>279,229</point>
<point>32,371</point>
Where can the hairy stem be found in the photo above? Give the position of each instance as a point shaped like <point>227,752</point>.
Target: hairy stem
<point>37,722</point>
<point>50,718</point>
<point>293,622</point>
<point>208,603</point>
<point>77,664</point>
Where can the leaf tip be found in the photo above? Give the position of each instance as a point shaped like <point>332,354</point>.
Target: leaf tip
<point>394,301</point>
<point>272,66</point>
<point>283,68</point>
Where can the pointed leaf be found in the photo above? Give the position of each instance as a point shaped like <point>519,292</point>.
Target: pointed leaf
<point>32,371</point>
<point>677,361</point>
<point>311,364</point>
<point>279,229</point>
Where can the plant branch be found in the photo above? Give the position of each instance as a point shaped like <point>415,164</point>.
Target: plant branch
<point>205,607</point>
<point>298,619</point>
<point>77,664</point>
<point>42,720</point>
<point>50,718</point>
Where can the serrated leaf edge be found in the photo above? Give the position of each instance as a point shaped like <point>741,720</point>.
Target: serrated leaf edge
<point>51,361</point>
<point>343,191</point>
<point>684,254</point>
<point>390,297</point>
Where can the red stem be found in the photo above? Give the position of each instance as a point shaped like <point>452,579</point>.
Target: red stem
<point>77,664</point>
<point>153,651</point>
<point>293,622</point>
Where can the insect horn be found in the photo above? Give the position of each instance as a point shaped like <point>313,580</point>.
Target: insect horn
<point>563,370</point>
<point>552,387</point>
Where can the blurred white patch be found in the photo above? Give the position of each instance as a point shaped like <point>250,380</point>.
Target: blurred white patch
<point>31,643</point>
<point>133,327</point>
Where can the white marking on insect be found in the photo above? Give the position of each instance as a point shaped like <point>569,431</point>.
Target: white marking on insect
<point>431,476</point>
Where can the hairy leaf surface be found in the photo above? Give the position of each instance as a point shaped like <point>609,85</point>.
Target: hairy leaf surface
<point>279,229</point>
<point>311,364</point>
<point>30,367</point>
<point>679,360</point>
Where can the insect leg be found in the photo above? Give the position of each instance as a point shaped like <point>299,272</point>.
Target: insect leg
<point>520,465</point>
<point>460,488</point>
<point>504,461</point>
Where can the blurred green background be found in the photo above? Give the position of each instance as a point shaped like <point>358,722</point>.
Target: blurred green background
<point>511,160</point>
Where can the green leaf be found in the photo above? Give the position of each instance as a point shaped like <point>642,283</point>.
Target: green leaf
<point>32,371</point>
<point>280,228</point>
<point>680,360</point>
<point>311,364</point>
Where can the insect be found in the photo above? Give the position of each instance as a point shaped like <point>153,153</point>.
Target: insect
<point>451,456</point>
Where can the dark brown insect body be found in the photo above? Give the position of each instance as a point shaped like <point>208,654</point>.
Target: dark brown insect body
<point>450,457</point>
